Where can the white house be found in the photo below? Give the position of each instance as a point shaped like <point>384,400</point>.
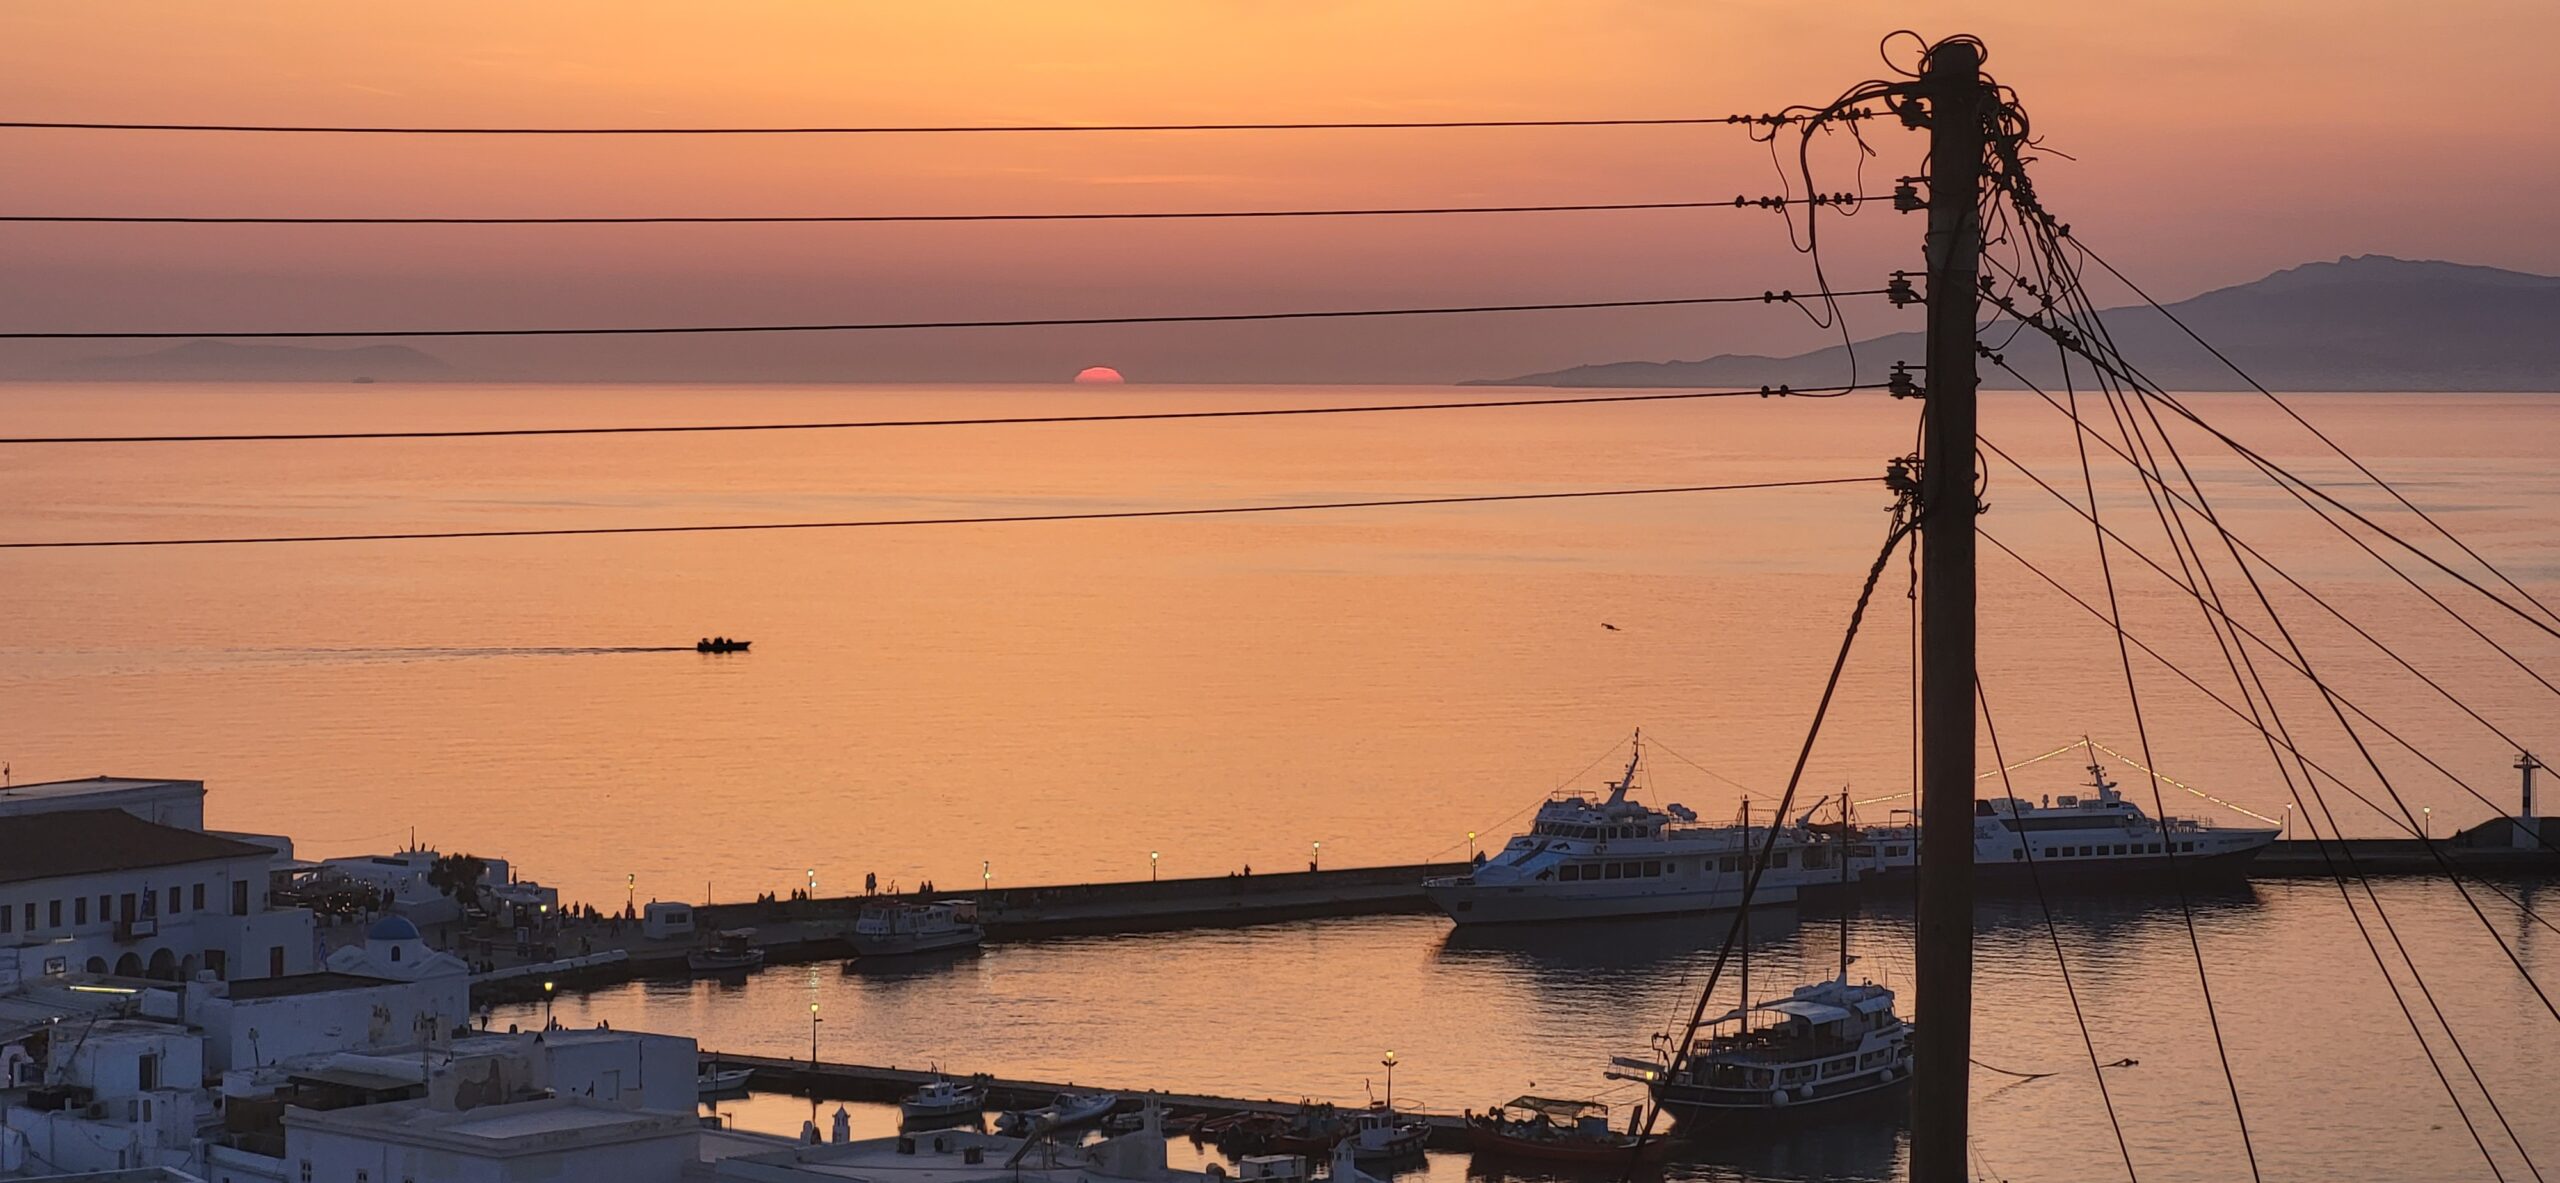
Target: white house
<point>550,1139</point>
<point>404,877</point>
<point>123,1093</point>
<point>101,890</point>
<point>392,949</point>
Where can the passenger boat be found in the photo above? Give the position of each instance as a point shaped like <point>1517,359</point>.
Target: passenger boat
<point>1068,1111</point>
<point>1825,1042</point>
<point>892,929</point>
<point>1551,1130</point>
<point>2094,837</point>
<point>941,1099</point>
<point>720,645</point>
<point>1584,859</point>
<point>731,950</point>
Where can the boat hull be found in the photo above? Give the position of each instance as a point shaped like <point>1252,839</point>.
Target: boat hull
<point>1484,1140</point>
<point>915,944</point>
<point>1535,903</point>
<point>723,963</point>
<point>1696,1109</point>
<point>2128,870</point>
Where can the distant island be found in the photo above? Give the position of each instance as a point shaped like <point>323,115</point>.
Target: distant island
<point>227,361</point>
<point>2364,322</point>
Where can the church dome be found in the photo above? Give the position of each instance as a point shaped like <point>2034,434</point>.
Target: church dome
<point>392,928</point>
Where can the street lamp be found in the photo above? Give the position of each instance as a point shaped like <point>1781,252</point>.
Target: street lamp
<point>2288,820</point>
<point>986,876</point>
<point>1152,856</point>
<point>813,1036</point>
<point>548,987</point>
<point>813,883</point>
<point>630,891</point>
<point>1471,846</point>
<point>2426,820</point>
<point>1315,856</point>
<point>1390,1063</point>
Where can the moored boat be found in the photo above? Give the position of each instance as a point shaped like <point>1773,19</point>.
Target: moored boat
<point>732,950</point>
<point>720,645</point>
<point>1822,1043</point>
<point>898,929</point>
<point>1550,1130</point>
<point>2092,837</point>
<point>1586,859</point>
<point>942,1099</point>
<point>720,1082</point>
<point>1068,1111</point>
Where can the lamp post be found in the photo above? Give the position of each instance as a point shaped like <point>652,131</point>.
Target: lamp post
<point>1471,846</point>
<point>1390,1063</point>
<point>986,876</point>
<point>2288,821</point>
<point>813,883</point>
<point>813,1037</point>
<point>1315,856</point>
<point>630,891</point>
<point>548,989</point>
<point>2426,821</point>
<point>1152,856</point>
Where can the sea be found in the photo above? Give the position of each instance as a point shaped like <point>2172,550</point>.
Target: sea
<point>1027,702</point>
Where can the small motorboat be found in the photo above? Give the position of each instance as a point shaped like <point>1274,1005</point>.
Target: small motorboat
<point>1550,1130</point>
<point>943,1099</point>
<point>1068,1111</point>
<point>720,645</point>
<point>732,950</point>
<point>1380,1134</point>
<point>720,1082</point>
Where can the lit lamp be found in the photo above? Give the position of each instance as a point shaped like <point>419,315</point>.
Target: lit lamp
<point>2426,820</point>
<point>813,1035</point>
<point>548,987</point>
<point>1471,846</point>
<point>1315,855</point>
<point>1152,856</point>
<point>1390,1063</point>
<point>986,875</point>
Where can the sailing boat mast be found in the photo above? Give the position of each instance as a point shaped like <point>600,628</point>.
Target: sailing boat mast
<point>1846,828</point>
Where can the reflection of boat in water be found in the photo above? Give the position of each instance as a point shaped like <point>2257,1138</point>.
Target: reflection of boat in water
<point>943,1099</point>
<point>1549,1130</point>
<point>732,950</point>
<point>1068,1111</point>
<point>1585,859</point>
<point>903,929</point>
<point>720,645</point>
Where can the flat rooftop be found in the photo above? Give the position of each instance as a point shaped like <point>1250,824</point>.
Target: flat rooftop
<point>101,783</point>
<point>247,989</point>
<point>549,1125</point>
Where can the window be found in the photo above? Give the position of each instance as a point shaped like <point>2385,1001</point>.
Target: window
<point>1569,873</point>
<point>1653,868</point>
<point>306,1171</point>
<point>146,1072</point>
<point>1609,871</point>
<point>199,897</point>
<point>1729,863</point>
<point>1779,859</point>
<point>239,897</point>
<point>2018,854</point>
<point>2153,849</point>
<point>105,912</point>
<point>80,910</point>
<point>53,913</point>
<point>175,905</point>
<point>275,961</point>
<point>31,915</point>
<point>362,1177</point>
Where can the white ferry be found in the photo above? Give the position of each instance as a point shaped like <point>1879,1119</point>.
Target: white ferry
<point>1584,859</point>
<point>896,928</point>
<point>2082,837</point>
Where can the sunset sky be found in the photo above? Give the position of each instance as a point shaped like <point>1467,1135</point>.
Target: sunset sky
<point>2214,141</point>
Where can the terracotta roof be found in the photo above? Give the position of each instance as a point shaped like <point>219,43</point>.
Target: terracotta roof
<point>91,841</point>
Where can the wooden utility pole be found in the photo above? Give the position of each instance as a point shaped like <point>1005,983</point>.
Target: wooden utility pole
<point>1943,1014</point>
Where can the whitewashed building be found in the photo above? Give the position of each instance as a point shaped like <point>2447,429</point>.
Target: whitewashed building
<point>102,890</point>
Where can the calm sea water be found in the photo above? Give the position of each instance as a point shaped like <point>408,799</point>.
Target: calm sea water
<point>1054,702</point>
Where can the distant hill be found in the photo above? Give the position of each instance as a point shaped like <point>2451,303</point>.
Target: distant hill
<point>226,361</point>
<point>2365,322</point>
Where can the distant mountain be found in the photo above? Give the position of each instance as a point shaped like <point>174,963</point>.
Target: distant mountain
<point>226,361</point>
<point>2365,322</point>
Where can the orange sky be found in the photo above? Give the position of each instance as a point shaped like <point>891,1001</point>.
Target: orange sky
<point>2215,142</point>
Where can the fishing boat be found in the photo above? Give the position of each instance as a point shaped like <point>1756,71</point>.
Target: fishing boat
<point>1380,1134</point>
<point>1586,859</point>
<point>1546,1129</point>
<point>893,929</point>
<point>732,950</point>
<point>720,645</point>
<point>942,1099</point>
<point>2093,837</point>
<point>1068,1111</point>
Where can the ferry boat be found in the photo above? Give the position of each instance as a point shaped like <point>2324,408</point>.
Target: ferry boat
<point>892,929</point>
<point>1825,1042</point>
<point>2097,836</point>
<point>1584,859</point>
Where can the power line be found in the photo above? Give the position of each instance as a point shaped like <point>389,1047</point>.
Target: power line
<point>1738,202</point>
<point>1099,515</point>
<point>987,421</point>
<point>946,129</point>
<point>1774,297</point>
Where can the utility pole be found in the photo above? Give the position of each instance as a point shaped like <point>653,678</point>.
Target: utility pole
<point>1943,1039</point>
